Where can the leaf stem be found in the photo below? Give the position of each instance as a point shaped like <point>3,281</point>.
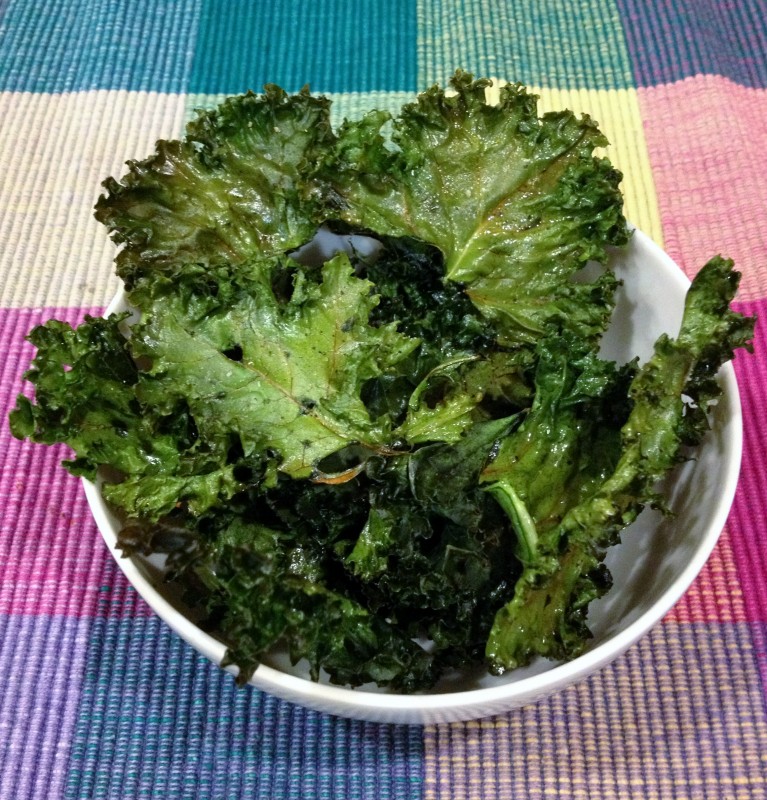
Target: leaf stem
<point>521,520</point>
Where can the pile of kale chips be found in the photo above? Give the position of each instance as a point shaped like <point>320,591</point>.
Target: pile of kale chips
<point>419,443</point>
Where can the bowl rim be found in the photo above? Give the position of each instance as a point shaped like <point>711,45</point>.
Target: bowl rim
<point>466,703</point>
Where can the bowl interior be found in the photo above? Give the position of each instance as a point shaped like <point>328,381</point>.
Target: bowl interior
<point>655,563</point>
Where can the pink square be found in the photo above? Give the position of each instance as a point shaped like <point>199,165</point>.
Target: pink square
<point>707,141</point>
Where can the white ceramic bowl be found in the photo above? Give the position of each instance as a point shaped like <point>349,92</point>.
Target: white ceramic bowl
<point>652,567</point>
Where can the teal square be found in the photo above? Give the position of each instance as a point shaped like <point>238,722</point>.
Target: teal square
<point>332,45</point>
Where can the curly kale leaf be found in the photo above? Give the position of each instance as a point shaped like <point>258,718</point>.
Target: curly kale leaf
<point>83,381</point>
<point>517,204</point>
<point>409,280</point>
<point>297,564</point>
<point>263,586</point>
<point>86,384</point>
<point>458,374</point>
<point>435,551</point>
<point>563,569</point>
<point>238,185</point>
<point>568,443</point>
<point>277,590</point>
<point>284,374</point>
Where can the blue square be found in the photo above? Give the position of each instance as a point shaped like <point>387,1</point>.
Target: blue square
<point>156,719</point>
<point>61,46</point>
<point>669,42</point>
<point>332,45</point>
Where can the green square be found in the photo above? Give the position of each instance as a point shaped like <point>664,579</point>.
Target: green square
<point>563,44</point>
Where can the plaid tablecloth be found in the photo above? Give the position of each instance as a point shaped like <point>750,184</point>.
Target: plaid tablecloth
<point>98,699</point>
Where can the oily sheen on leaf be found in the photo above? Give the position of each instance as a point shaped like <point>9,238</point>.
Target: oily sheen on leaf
<point>294,389</point>
<point>238,185</point>
<point>535,203</point>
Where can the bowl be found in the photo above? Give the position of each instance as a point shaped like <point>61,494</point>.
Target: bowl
<point>656,561</point>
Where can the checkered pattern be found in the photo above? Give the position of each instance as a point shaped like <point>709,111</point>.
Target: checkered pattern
<point>98,699</point>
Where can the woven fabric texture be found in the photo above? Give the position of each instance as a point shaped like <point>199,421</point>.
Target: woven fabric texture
<point>98,698</point>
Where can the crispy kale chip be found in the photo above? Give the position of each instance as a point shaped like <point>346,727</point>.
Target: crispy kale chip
<point>535,203</point>
<point>399,459</point>
<point>238,185</point>
<point>562,552</point>
<point>87,396</point>
<point>300,361</point>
